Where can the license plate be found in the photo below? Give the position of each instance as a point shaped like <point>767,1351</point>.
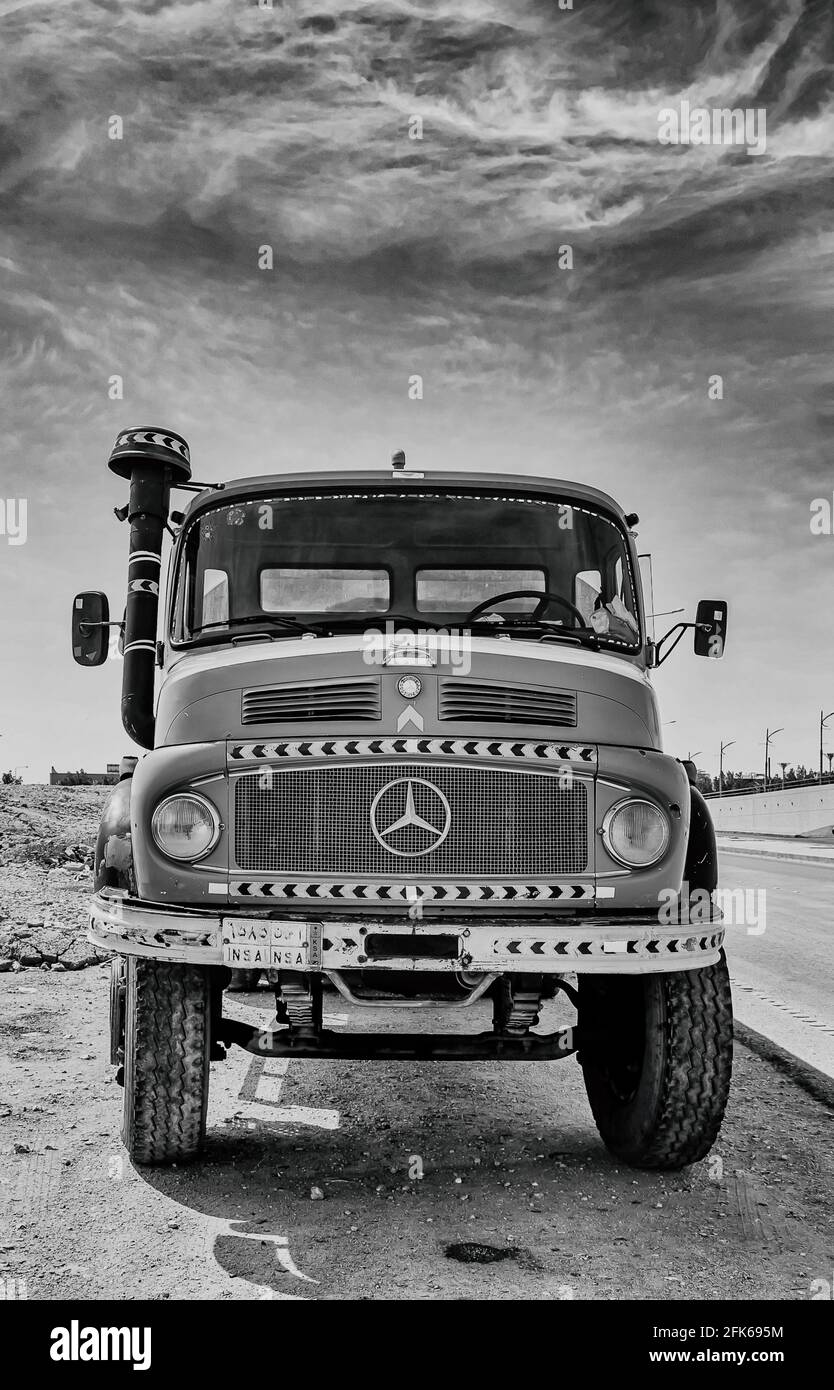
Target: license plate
<point>253,945</point>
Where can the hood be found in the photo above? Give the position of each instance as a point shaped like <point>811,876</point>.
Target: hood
<point>341,687</point>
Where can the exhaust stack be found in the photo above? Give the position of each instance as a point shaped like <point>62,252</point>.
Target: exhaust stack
<point>153,460</point>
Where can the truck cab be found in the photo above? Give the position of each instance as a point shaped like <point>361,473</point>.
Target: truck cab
<point>404,745</point>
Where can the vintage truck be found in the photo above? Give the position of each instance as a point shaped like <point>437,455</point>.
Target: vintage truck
<point>404,746</point>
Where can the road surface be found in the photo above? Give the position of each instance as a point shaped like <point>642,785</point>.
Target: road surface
<point>783,976</point>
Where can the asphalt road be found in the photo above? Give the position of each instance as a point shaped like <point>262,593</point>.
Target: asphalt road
<point>783,975</point>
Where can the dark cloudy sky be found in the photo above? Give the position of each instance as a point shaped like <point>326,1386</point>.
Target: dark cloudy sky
<point>290,127</point>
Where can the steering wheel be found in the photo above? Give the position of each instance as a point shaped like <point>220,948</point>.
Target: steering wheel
<point>544,596</point>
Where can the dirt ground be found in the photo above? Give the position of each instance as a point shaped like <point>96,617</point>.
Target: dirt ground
<point>47,835</point>
<point>509,1157</point>
<point>329,1180</point>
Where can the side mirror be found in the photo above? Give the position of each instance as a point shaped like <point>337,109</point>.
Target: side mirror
<point>90,628</point>
<point>710,627</point>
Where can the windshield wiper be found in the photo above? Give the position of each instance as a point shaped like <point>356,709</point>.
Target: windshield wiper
<point>377,619</point>
<point>265,620</point>
<point>581,636</point>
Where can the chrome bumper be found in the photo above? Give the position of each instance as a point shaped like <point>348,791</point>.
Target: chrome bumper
<point>610,944</point>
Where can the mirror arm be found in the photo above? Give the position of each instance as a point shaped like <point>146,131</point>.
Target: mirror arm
<point>88,627</point>
<point>680,629</point>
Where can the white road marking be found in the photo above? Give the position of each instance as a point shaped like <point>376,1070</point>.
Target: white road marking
<point>285,1259</point>
<point>292,1115</point>
<point>219,1226</point>
<point>263,1077</point>
<point>269,1083</point>
<point>267,1108</point>
<point>248,1088</point>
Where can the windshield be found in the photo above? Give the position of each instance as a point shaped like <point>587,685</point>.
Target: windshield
<point>338,559</point>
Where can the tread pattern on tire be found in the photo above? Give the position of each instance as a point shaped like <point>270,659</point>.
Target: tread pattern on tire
<point>699,1063</point>
<point>695,1079</point>
<point>166,1061</point>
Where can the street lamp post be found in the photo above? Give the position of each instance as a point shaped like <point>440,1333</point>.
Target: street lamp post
<point>824,718</point>
<point>770,735</point>
<point>721,766</point>
<point>690,757</point>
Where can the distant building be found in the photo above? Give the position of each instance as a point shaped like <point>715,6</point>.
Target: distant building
<point>84,779</point>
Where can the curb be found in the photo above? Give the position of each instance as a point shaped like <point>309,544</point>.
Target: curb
<point>776,854</point>
<point>815,1082</point>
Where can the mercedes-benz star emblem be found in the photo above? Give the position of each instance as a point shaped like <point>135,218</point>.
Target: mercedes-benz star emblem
<point>394,811</point>
<point>409,687</point>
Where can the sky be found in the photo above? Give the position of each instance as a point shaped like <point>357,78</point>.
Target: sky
<point>415,168</point>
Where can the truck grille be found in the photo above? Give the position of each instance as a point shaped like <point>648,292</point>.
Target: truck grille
<point>347,699</point>
<point>500,823</point>
<point>520,704</point>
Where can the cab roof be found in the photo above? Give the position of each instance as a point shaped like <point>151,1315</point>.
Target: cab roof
<point>243,489</point>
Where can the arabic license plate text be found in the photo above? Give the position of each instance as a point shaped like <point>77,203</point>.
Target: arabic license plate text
<point>265,945</point>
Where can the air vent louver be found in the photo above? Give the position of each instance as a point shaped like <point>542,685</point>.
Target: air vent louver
<point>335,700</point>
<point>484,702</point>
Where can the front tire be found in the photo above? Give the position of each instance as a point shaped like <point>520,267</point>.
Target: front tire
<point>118,989</point>
<point>657,1062</point>
<point>167,1043</point>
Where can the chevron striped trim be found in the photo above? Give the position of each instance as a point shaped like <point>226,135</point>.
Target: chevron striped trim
<point>575,949</point>
<point>289,891</point>
<point>126,440</point>
<point>432,747</point>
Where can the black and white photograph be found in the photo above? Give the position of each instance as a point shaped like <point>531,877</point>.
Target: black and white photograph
<point>416,671</point>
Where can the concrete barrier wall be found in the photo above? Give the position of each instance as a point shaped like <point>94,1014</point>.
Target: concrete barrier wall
<point>807,811</point>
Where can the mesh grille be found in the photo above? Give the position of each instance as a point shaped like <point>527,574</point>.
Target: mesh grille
<point>316,821</point>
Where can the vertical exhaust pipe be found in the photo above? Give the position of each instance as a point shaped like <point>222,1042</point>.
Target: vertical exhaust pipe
<point>152,460</point>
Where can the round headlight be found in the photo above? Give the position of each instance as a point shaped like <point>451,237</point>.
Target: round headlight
<point>185,826</point>
<point>636,833</point>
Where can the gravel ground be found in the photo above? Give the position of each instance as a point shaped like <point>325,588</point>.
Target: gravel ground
<point>47,835</point>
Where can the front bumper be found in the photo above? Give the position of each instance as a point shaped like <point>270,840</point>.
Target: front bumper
<point>604,944</point>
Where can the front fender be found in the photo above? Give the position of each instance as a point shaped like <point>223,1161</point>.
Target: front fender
<point>701,869</point>
<point>113,865</point>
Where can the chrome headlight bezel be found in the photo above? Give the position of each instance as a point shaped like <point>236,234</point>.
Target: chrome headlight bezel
<point>614,811</point>
<point>204,805</point>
